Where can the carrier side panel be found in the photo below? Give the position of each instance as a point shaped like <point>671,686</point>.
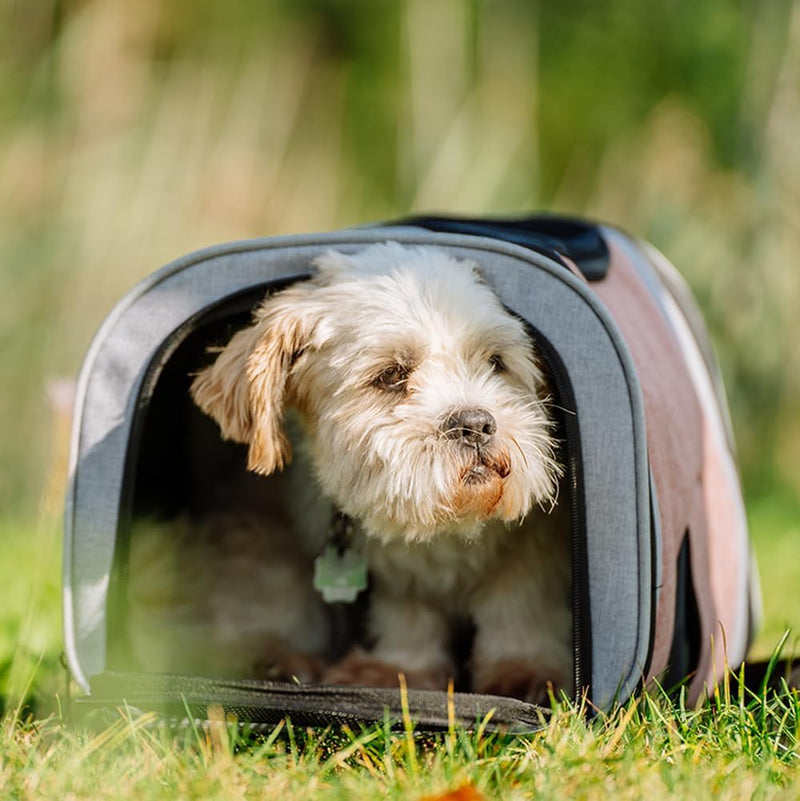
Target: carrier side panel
<point>690,447</point>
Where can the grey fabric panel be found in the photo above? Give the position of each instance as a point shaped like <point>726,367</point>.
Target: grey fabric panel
<point>551,299</point>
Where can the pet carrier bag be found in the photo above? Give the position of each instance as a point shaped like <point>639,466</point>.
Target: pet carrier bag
<point>663,578</point>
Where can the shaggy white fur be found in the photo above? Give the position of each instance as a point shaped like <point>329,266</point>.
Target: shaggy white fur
<point>425,419</point>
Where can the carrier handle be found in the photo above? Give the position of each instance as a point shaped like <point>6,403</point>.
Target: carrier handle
<point>579,241</point>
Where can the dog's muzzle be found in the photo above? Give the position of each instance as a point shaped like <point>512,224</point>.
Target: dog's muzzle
<point>474,430</point>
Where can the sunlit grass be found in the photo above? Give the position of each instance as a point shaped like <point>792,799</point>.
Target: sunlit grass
<point>649,748</point>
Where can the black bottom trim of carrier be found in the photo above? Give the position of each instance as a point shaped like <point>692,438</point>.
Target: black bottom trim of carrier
<point>181,699</point>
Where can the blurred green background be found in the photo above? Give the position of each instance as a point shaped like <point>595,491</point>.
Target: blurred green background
<point>134,131</point>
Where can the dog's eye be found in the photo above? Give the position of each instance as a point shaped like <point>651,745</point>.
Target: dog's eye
<point>498,365</point>
<point>392,379</point>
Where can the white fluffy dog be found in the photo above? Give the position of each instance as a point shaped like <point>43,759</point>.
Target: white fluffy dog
<point>424,420</point>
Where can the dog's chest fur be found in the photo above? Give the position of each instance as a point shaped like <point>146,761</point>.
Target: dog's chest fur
<point>450,570</point>
<point>444,570</point>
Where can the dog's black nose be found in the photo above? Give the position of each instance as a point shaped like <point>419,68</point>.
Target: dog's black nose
<point>474,427</point>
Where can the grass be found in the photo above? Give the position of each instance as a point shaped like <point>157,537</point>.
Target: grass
<point>649,748</point>
<point>736,745</point>
<point>30,615</point>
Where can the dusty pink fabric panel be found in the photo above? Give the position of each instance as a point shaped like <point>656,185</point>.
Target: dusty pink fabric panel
<point>718,569</point>
<point>674,424</point>
<point>725,519</point>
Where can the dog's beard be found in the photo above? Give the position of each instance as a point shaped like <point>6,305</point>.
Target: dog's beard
<point>480,486</point>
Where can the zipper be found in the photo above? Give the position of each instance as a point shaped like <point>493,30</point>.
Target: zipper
<point>573,482</point>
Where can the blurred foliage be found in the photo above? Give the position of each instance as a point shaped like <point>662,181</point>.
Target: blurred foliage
<point>775,526</point>
<point>131,133</point>
<point>31,675</point>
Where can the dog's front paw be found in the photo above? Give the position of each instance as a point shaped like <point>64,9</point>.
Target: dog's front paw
<point>363,669</point>
<point>528,680</point>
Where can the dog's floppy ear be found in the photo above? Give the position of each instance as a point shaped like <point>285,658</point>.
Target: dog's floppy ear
<point>221,390</point>
<point>244,390</point>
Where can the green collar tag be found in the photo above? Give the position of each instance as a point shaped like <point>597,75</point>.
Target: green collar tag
<point>340,576</point>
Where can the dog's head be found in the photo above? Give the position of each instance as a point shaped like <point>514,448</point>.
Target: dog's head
<point>423,400</point>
